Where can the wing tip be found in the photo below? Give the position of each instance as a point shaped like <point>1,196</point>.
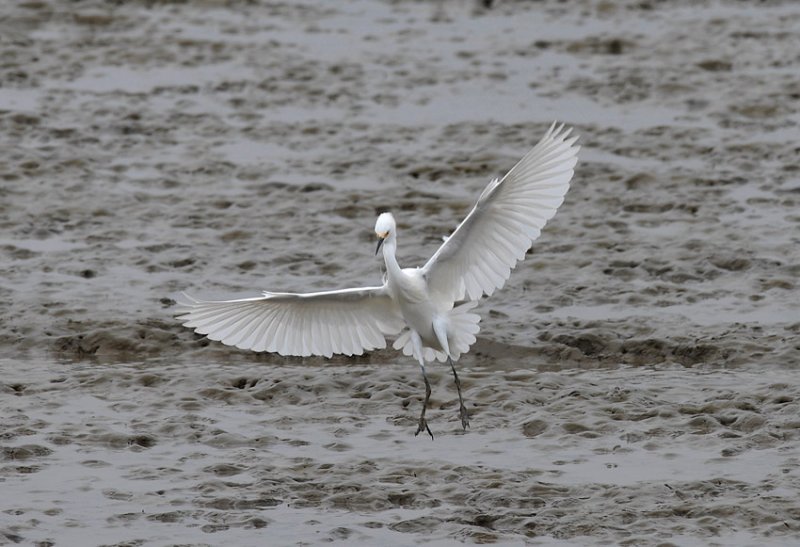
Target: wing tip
<point>188,299</point>
<point>561,133</point>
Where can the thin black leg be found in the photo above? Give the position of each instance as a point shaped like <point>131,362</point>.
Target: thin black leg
<point>423,424</point>
<point>462,409</point>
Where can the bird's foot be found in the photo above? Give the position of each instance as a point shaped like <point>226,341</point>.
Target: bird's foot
<point>423,426</point>
<point>464,417</point>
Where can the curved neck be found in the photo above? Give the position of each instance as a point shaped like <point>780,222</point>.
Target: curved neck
<point>389,258</point>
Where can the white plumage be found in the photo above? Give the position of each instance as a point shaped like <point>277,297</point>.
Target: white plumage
<point>475,260</point>
<point>349,321</point>
<point>510,213</point>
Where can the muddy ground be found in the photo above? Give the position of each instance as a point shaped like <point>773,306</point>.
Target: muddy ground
<point>636,382</point>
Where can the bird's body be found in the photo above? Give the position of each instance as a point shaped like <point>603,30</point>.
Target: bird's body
<point>431,304</point>
<point>408,288</point>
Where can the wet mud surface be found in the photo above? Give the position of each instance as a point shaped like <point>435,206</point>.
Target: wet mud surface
<point>634,383</point>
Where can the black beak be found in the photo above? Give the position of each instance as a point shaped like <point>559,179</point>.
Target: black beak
<point>378,248</point>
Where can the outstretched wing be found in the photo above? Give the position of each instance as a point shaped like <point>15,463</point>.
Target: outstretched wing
<point>348,321</point>
<point>510,213</point>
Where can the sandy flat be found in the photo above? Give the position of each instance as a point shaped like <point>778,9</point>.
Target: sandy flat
<point>635,383</point>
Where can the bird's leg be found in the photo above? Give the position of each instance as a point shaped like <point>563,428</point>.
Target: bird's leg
<point>440,329</point>
<point>462,409</point>
<point>418,353</point>
<point>423,424</point>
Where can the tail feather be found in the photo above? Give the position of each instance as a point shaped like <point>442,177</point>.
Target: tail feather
<point>462,328</point>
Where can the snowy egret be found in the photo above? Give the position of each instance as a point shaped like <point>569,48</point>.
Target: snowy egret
<point>431,305</point>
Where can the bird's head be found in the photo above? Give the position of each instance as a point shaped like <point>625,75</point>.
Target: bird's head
<point>384,228</point>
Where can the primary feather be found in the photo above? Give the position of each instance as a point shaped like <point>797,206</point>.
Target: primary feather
<point>348,321</point>
<point>478,257</point>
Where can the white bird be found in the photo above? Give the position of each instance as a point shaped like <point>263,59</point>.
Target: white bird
<point>431,305</point>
